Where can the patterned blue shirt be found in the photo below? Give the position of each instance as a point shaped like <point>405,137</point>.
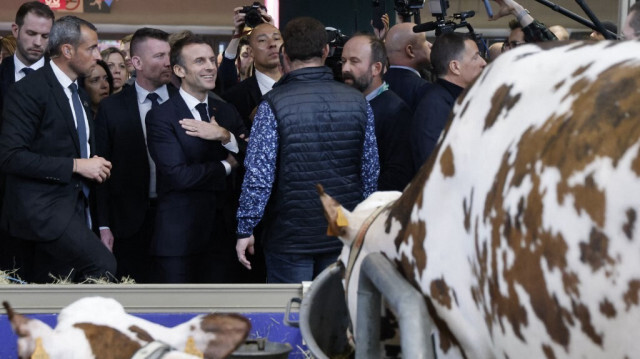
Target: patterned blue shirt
<point>260,163</point>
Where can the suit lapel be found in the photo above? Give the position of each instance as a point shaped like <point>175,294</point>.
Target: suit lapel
<point>181,108</point>
<point>62,101</point>
<point>254,91</point>
<point>130,102</point>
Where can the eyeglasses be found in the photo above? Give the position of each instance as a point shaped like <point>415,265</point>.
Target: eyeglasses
<point>512,44</point>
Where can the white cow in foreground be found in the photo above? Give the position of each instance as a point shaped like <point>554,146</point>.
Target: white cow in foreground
<point>522,230</point>
<point>96,327</point>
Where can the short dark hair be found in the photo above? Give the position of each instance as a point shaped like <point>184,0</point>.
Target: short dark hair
<point>378,52</point>
<point>66,30</point>
<point>142,35</point>
<point>37,8</point>
<point>514,24</point>
<point>176,49</point>
<point>304,38</point>
<point>446,48</point>
<point>104,65</point>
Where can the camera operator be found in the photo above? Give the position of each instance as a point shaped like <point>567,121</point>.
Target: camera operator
<point>408,54</point>
<point>457,62</point>
<point>524,28</point>
<point>228,72</point>
<point>264,41</point>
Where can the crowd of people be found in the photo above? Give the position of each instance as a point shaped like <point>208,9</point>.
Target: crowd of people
<point>153,161</point>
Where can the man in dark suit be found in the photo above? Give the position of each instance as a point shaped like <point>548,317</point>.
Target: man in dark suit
<point>457,62</point>
<point>363,62</point>
<point>408,55</point>
<point>45,150</point>
<point>191,138</point>
<point>31,29</point>
<point>127,202</point>
<point>265,41</point>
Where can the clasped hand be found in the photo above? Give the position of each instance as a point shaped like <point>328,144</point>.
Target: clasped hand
<point>205,130</point>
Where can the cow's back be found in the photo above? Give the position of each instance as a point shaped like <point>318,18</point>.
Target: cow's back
<point>530,207</point>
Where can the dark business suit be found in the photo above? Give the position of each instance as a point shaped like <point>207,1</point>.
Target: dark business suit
<point>392,121</point>
<point>8,247</point>
<point>191,188</point>
<point>245,96</point>
<point>430,119</point>
<point>44,202</point>
<point>408,85</point>
<point>7,77</point>
<point>123,201</point>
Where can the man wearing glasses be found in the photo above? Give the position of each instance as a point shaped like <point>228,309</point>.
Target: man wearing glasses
<point>524,28</point>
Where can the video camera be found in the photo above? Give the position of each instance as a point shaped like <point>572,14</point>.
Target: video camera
<point>336,41</point>
<point>408,8</point>
<point>253,17</point>
<point>438,9</point>
<point>442,25</point>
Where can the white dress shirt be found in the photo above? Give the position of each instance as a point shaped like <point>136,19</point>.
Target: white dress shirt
<point>192,102</point>
<point>19,75</point>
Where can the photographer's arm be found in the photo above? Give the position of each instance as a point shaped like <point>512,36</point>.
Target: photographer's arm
<point>510,7</point>
<point>534,31</point>
<point>231,52</point>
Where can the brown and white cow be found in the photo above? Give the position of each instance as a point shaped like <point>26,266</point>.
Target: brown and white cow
<point>96,327</point>
<point>521,231</point>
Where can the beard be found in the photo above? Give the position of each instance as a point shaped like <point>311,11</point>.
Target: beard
<point>359,83</point>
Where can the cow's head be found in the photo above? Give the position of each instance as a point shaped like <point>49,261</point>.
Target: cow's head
<point>83,334</point>
<point>28,330</point>
<point>347,225</point>
<point>344,224</point>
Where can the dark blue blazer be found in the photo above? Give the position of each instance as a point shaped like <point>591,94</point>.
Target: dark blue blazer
<point>393,128</point>
<point>7,77</point>
<point>406,84</point>
<point>191,179</point>
<point>245,96</point>
<point>430,119</point>
<point>123,200</point>
<point>38,142</point>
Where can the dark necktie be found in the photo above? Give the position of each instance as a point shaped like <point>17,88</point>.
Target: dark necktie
<point>81,127</point>
<point>153,97</point>
<point>202,110</point>
<point>79,111</point>
<point>27,70</point>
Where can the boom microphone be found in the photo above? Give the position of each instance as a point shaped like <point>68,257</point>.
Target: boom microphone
<point>464,15</point>
<point>427,26</point>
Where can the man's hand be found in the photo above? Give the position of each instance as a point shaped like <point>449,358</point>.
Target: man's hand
<point>206,130</point>
<point>507,7</point>
<point>96,168</point>
<point>381,34</point>
<point>242,245</point>
<point>106,237</point>
<point>266,17</point>
<point>232,161</point>
<point>238,20</point>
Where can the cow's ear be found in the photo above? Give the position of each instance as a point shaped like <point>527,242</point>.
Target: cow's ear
<point>334,213</point>
<point>229,332</point>
<point>30,331</point>
<point>19,322</point>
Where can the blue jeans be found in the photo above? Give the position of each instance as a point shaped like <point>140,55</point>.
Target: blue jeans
<point>295,268</point>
